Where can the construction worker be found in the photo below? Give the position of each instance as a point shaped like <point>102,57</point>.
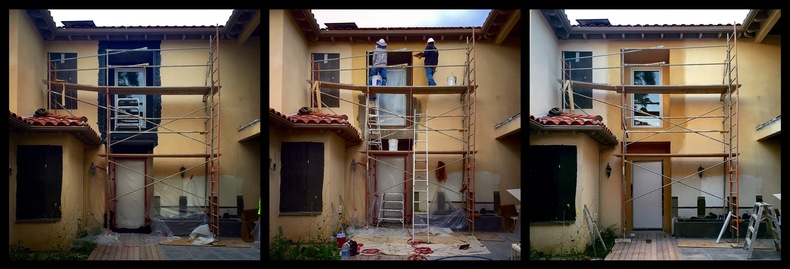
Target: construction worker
<point>379,63</point>
<point>431,55</point>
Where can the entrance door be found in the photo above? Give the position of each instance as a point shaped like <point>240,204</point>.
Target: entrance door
<point>130,209</point>
<point>389,179</point>
<point>646,185</point>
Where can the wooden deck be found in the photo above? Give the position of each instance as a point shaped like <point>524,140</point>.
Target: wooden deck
<point>646,245</point>
<point>127,253</point>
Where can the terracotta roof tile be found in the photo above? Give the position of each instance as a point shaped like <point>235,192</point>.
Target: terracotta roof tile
<point>567,119</point>
<point>44,118</point>
<point>311,117</point>
<point>570,119</point>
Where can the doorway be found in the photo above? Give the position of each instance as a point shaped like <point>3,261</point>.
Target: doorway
<point>647,194</point>
<point>131,192</point>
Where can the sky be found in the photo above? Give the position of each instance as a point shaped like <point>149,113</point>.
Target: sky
<point>130,17</point>
<point>368,18</point>
<point>623,16</point>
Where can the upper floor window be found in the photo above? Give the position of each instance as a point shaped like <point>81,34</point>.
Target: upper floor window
<point>133,104</point>
<point>578,67</point>
<point>647,106</point>
<point>63,68</point>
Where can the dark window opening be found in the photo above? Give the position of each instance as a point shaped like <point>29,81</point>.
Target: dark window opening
<point>127,65</point>
<point>330,63</point>
<point>573,72</point>
<point>38,183</point>
<point>63,67</point>
<point>552,184</point>
<point>302,178</point>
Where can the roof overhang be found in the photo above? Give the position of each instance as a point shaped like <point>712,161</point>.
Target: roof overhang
<point>82,133</point>
<point>241,25</point>
<point>345,131</point>
<point>499,25</point>
<point>596,132</point>
<point>758,23</point>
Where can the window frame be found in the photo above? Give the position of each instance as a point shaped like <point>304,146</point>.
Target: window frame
<point>581,102</point>
<point>634,116</point>
<point>296,177</point>
<point>69,96</point>
<point>553,174</point>
<point>140,97</point>
<point>45,164</point>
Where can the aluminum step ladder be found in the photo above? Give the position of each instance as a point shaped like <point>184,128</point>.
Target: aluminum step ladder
<point>392,202</point>
<point>420,185</point>
<point>763,210</point>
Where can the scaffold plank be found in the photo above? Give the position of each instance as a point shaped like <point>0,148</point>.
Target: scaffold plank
<point>148,90</point>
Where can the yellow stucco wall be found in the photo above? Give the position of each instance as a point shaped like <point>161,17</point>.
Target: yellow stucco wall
<point>288,62</point>
<point>43,236</point>
<point>334,178</point>
<point>26,63</point>
<point>544,91</point>
<point>561,238</point>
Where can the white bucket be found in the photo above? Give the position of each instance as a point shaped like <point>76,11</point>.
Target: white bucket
<point>375,80</point>
<point>451,81</point>
<point>393,144</point>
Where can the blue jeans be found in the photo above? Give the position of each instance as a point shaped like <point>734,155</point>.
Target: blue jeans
<point>380,71</point>
<point>429,72</point>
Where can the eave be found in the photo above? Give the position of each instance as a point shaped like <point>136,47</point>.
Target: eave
<point>82,133</point>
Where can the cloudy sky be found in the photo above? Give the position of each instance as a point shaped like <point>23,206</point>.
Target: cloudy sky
<point>367,18</point>
<point>131,17</point>
<point>623,16</point>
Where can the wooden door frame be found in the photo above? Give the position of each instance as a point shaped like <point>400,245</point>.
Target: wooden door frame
<point>666,163</point>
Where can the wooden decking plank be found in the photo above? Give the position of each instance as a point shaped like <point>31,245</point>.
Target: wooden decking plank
<point>124,253</point>
<point>92,256</point>
<point>136,253</point>
<point>118,252</point>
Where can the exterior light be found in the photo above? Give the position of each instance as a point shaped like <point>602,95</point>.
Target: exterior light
<point>608,170</point>
<point>699,171</point>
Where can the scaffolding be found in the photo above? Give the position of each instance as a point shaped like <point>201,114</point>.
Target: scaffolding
<point>417,124</point>
<point>122,114</point>
<point>729,96</point>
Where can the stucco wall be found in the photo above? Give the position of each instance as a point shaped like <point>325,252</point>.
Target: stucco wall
<point>42,236</point>
<point>26,65</point>
<point>294,63</point>
<point>559,238</point>
<point>544,67</point>
<point>334,177</point>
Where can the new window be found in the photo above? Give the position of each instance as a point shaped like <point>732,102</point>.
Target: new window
<point>578,66</point>
<point>302,178</point>
<point>63,66</point>
<point>326,67</point>
<point>38,183</point>
<point>132,104</point>
<point>647,106</point>
<point>552,184</point>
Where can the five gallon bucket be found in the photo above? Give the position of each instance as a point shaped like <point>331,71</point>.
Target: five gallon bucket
<point>393,144</point>
<point>451,81</point>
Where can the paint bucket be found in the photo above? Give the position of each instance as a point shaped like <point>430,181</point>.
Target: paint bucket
<point>393,144</point>
<point>451,81</point>
<point>341,239</point>
<point>375,80</point>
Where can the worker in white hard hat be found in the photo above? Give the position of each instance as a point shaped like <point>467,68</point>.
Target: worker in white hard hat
<point>379,63</point>
<point>431,55</point>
